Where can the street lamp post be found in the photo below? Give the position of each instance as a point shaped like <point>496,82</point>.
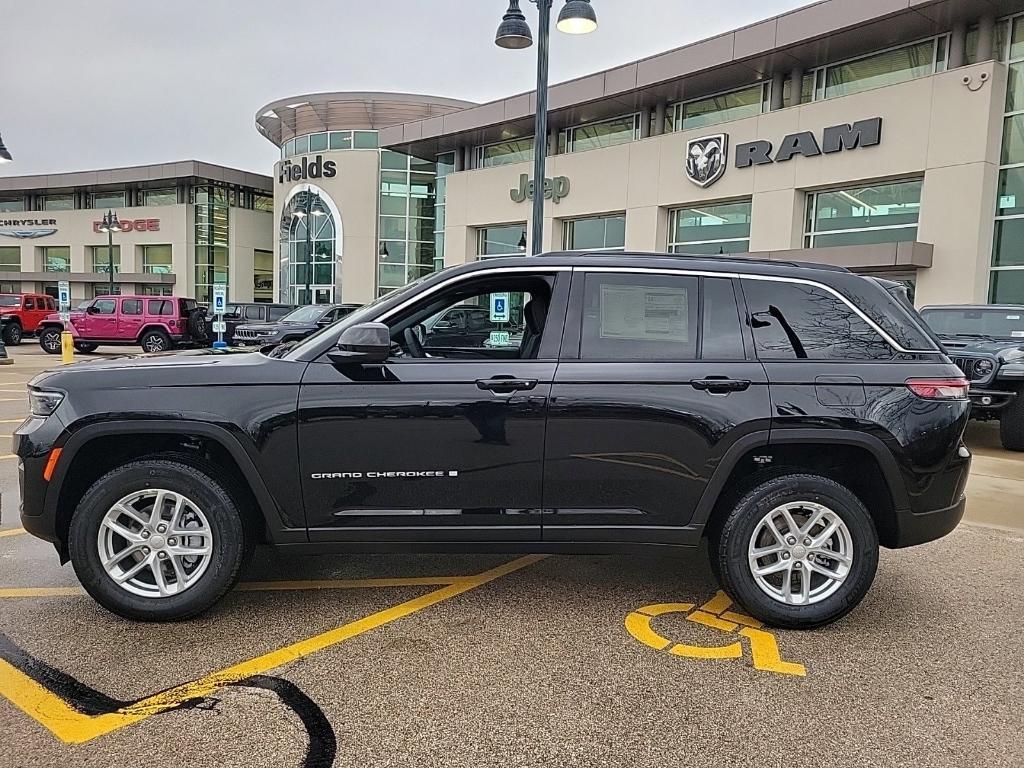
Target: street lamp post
<point>110,225</point>
<point>577,17</point>
<point>312,206</point>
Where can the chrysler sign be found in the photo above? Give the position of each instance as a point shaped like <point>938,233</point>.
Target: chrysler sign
<point>27,229</point>
<point>706,158</point>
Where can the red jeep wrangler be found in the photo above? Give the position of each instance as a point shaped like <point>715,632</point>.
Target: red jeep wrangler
<point>22,313</point>
<point>157,323</point>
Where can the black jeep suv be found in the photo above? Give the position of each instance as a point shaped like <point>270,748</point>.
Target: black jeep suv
<point>987,343</point>
<point>295,325</point>
<point>797,417</point>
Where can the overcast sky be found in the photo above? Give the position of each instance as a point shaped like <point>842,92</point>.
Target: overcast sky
<point>109,83</point>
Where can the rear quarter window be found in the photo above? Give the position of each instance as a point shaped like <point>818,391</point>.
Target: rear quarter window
<point>160,307</point>
<point>795,321</point>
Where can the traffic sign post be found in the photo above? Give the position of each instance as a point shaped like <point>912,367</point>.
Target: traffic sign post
<point>220,300</point>
<point>67,340</point>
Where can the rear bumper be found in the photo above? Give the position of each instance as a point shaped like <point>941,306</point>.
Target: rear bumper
<point>913,528</point>
<point>991,399</point>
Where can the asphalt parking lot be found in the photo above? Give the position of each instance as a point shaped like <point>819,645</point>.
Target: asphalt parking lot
<point>493,660</point>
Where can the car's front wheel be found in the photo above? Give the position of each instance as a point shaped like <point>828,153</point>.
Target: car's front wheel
<point>157,540</point>
<point>49,340</point>
<point>12,334</point>
<point>797,551</point>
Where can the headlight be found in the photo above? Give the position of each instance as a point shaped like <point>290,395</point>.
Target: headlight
<point>43,402</point>
<point>267,333</point>
<point>983,367</point>
<point>1013,355</point>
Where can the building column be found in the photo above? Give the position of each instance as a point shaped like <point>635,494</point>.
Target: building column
<point>553,141</point>
<point>796,86</point>
<point>645,122</point>
<point>777,220</point>
<point>778,89</point>
<point>467,159</point>
<point>986,38</point>
<point>659,118</point>
<point>958,45</point>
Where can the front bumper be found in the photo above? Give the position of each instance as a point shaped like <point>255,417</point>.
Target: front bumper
<point>991,399</point>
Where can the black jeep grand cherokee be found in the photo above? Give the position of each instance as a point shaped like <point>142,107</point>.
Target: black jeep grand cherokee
<point>795,416</point>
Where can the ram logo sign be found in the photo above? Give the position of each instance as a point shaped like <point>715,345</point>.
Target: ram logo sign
<point>706,158</point>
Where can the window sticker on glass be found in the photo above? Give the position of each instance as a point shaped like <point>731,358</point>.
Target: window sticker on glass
<point>1013,317</point>
<point>1017,335</point>
<point>644,313</point>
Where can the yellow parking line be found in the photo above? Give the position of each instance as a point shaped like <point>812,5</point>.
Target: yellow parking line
<point>12,421</point>
<point>12,532</point>
<point>71,726</point>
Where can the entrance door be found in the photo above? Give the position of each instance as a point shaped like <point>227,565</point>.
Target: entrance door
<point>436,444</point>
<point>653,388</point>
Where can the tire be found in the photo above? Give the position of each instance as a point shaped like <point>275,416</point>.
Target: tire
<point>230,541</point>
<point>196,324</point>
<point>744,527</point>
<point>86,346</point>
<point>155,341</point>
<point>49,340</point>
<point>1011,423</point>
<point>12,334</point>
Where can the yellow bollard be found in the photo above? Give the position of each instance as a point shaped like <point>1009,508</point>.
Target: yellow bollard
<point>67,347</point>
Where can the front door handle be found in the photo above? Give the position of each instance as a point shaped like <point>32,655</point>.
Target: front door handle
<point>504,385</point>
<point>720,385</point>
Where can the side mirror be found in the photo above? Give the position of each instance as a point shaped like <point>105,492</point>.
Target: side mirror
<point>91,310</point>
<point>363,343</point>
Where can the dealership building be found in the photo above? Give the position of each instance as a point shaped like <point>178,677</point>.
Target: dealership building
<point>885,136</point>
<point>185,227</point>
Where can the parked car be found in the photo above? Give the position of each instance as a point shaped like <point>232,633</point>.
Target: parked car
<point>238,314</point>
<point>296,325</point>
<point>797,417</point>
<point>21,313</point>
<point>987,342</point>
<point>156,323</point>
<point>465,326</point>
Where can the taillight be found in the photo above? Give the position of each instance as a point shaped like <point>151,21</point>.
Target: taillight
<point>940,389</point>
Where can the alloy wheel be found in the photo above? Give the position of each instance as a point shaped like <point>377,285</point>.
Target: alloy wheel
<point>800,553</point>
<point>155,543</point>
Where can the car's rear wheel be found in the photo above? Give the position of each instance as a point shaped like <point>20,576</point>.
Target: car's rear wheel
<point>1011,423</point>
<point>155,341</point>
<point>13,334</point>
<point>86,346</point>
<point>49,340</point>
<point>157,540</point>
<point>797,551</point>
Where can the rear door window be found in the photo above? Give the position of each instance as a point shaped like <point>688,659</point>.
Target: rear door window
<point>253,313</point>
<point>131,306</point>
<point>794,321</point>
<point>276,313</point>
<point>30,303</point>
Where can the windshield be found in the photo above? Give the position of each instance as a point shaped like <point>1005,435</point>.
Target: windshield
<point>976,322</point>
<point>361,315</point>
<point>10,301</point>
<point>304,314</point>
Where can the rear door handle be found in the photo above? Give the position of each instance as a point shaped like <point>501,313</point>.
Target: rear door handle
<point>504,386</point>
<point>720,385</point>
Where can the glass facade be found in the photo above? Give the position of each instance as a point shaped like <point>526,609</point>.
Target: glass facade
<point>505,153</point>
<point>445,166</point>
<point>156,290</point>
<point>98,260</point>
<point>501,240</point>
<point>59,203</point>
<point>263,276</point>
<point>880,213</point>
<point>1007,282</point>
<point>167,196</point>
<point>103,289</point>
<point>596,233</point>
<point>107,199</point>
<point>10,258</point>
<point>309,244</point>
<point>607,133</point>
<point>711,229</point>
<point>329,140</point>
<point>886,68</point>
<point>407,230</point>
<point>156,259</point>
<point>212,213</point>
<point>734,105</point>
<point>11,204</point>
<point>56,258</point>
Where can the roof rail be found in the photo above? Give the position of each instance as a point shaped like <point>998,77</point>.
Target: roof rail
<point>706,257</point>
